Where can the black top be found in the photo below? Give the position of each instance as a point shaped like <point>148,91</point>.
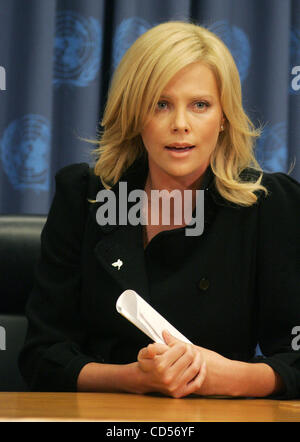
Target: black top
<point>228,289</point>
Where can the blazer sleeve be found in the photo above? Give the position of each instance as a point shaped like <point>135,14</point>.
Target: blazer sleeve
<point>52,355</point>
<point>278,280</point>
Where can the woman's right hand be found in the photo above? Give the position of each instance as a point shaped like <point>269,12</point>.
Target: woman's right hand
<point>177,370</point>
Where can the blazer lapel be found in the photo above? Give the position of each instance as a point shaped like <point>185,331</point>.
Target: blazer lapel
<point>120,250</point>
<point>121,253</point>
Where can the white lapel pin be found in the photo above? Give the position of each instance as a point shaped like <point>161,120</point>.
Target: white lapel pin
<point>118,264</point>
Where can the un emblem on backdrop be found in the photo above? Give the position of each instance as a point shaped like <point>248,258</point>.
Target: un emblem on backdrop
<point>126,33</point>
<point>237,42</point>
<point>25,147</point>
<point>77,49</point>
<point>271,148</point>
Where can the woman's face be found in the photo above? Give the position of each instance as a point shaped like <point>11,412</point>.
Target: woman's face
<point>184,130</point>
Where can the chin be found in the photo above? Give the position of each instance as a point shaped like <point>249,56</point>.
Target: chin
<point>182,172</point>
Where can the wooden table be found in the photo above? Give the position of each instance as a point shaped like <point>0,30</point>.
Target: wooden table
<point>112,407</point>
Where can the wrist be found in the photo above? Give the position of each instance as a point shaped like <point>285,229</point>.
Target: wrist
<point>132,378</point>
<point>108,378</point>
<point>254,380</point>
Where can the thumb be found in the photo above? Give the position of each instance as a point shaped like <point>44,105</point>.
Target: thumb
<point>169,339</point>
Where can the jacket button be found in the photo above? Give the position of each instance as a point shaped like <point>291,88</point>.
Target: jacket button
<point>203,284</point>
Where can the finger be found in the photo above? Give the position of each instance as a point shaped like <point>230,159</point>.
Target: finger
<point>169,339</point>
<point>142,354</point>
<point>187,367</point>
<point>198,381</point>
<point>146,365</point>
<point>157,349</point>
<point>194,386</point>
<point>169,360</point>
<point>152,350</point>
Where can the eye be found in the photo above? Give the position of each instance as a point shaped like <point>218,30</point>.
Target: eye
<point>200,105</point>
<point>161,105</point>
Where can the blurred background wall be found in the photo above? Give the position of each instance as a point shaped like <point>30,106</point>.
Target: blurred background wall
<point>57,58</point>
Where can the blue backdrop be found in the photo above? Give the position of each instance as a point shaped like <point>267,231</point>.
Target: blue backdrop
<point>57,58</point>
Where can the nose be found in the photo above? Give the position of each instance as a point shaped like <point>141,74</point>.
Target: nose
<point>180,122</point>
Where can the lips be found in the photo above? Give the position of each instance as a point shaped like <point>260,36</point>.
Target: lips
<point>178,148</point>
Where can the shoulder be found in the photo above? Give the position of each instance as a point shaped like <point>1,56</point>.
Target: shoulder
<point>72,175</point>
<point>69,208</point>
<point>281,179</point>
<point>282,188</point>
<point>279,185</point>
<point>77,179</point>
<point>280,209</point>
<point>74,185</point>
<point>72,170</point>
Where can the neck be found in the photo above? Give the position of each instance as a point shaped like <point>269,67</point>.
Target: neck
<point>165,182</point>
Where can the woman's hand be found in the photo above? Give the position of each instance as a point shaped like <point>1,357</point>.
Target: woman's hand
<point>223,376</point>
<point>175,369</point>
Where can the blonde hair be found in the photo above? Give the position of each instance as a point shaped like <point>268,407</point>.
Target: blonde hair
<point>143,73</point>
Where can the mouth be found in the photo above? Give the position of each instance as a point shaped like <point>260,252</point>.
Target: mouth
<point>179,149</point>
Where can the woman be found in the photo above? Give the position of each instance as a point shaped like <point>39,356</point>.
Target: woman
<point>174,120</point>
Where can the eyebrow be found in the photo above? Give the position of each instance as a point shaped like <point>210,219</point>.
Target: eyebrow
<point>193,97</point>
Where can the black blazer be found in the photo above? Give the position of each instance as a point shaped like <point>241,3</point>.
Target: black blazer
<point>236,285</point>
